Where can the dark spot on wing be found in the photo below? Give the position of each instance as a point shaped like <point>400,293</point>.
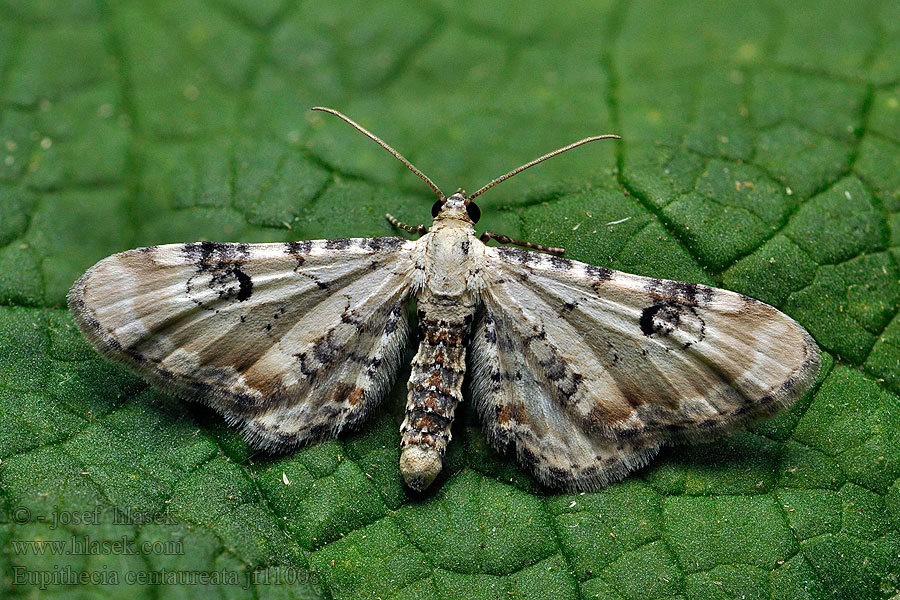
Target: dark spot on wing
<point>319,431</point>
<point>666,317</point>
<point>490,331</point>
<point>681,292</point>
<point>383,244</point>
<point>394,318</point>
<point>222,263</point>
<point>661,318</point>
<point>308,370</point>
<point>338,244</point>
<point>245,284</point>
<point>301,247</point>
<point>599,273</point>
<point>560,263</point>
<point>515,255</point>
<point>348,318</point>
<point>299,250</point>
<point>541,335</point>
<point>554,368</point>
<point>568,306</point>
<point>324,349</point>
<point>646,320</point>
<point>570,386</point>
<point>212,255</point>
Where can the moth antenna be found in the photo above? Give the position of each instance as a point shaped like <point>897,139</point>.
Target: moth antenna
<point>516,171</point>
<point>384,145</point>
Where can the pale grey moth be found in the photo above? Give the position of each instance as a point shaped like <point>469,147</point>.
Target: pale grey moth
<point>581,371</point>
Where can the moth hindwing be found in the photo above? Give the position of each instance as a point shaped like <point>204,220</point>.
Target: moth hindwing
<point>580,371</point>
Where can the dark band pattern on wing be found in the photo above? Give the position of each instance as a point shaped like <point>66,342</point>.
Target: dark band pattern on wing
<point>521,416</point>
<point>344,377</point>
<point>640,360</point>
<point>257,330</point>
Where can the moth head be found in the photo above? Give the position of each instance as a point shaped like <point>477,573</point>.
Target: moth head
<point>457,206</point>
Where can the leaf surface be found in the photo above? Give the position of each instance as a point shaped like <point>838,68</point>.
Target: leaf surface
<point>761,153</point>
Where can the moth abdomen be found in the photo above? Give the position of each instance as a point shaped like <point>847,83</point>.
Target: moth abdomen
<point>435,389</point>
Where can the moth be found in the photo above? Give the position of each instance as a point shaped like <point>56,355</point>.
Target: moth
<point>580,371</point>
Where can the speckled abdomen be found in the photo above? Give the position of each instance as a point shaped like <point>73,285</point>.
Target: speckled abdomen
<point>435,388</point>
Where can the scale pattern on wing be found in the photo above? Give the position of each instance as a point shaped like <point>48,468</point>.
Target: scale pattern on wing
<point>635,359</point>
<point>291,341</point>
<point>521,414</point>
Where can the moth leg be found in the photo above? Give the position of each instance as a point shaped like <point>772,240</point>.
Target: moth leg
<point>419,229</point>
<point>505,239</point>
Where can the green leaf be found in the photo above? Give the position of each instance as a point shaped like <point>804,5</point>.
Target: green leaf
<point>760,153</point>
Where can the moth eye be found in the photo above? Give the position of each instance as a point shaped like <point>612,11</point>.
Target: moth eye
<point>473,211</point>
<point>436,208</point>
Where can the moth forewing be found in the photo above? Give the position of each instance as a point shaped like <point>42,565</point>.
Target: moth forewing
<point>293,342</point>
<point>630,359</point>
